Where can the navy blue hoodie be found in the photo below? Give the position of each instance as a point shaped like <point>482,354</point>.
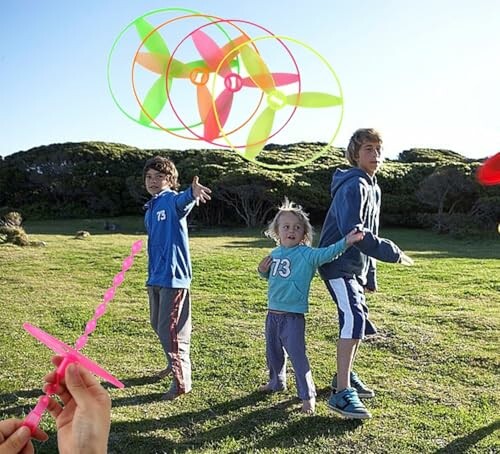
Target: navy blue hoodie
<point>356,204</point>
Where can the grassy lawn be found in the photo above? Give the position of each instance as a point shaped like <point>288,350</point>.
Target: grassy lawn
<point>434,363</point>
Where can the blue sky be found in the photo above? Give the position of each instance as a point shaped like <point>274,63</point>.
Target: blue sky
<point>426,73</point>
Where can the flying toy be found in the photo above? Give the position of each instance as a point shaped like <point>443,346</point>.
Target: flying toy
<point>72,354</point>
<point>489,172</point>
<point>210,71</point>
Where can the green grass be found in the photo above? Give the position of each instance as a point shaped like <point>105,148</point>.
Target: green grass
<point>434,363</point>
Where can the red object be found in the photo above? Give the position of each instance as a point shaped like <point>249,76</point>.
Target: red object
<point>489,172</point>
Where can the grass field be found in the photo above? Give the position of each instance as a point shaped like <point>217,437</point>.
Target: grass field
<point>434,363</point>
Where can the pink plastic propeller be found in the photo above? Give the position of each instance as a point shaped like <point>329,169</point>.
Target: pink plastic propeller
<point>489,172</point>
<point>72,355</point>
<point>215,57</point>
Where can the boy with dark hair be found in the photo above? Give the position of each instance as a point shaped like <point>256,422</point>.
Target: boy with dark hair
<point>355,205</point>
<point>169,266</point>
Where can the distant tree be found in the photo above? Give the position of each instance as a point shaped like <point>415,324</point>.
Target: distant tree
<point>444,190</point>
<point>251,202</point>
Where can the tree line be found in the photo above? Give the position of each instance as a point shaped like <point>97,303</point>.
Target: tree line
<point>422,188</point>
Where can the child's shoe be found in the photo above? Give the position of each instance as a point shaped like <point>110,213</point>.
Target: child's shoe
<point>357,384</point>
<point>346,403</point>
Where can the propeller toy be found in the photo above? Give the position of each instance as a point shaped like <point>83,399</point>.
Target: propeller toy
<point>215,114</point>
<point>72,354</point>
<point>214,111</point>
<point>218,62</point>
<point>157,60</point>
<point>489,172</point>
<point>154,61</point>
<point>276,99</point>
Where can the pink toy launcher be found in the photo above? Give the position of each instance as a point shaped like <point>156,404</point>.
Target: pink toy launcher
<point>72,355</point>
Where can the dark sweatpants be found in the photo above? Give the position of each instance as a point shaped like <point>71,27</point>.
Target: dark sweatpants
<point>170,316</point>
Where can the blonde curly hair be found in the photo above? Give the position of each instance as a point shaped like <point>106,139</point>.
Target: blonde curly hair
<point>287,206</point>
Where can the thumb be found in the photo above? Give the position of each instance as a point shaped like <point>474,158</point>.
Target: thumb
<point>75,384</point>
<point>195,179</point>
<point>17,441</point>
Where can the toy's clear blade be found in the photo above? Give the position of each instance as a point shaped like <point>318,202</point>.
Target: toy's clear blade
<point>233,44</point>
<point>154,102</point>
<point>314,99</point>
<point>279,79</point>
<point>156,63</point>
<point>204,101</point>
<point>54,344</point>
<point>151,39</point>
<point>259,134</point>
<point>257,69</point>
<point>223,105</point>
<point>210,51</point>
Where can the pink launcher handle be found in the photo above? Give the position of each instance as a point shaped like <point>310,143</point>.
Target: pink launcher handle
<point>34,416</point>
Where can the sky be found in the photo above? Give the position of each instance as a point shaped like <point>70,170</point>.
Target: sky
<point>424,73</point>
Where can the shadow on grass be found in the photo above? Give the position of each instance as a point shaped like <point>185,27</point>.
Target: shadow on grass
<point>20,410</point>
<point>132,436</point>
<point>463,444</point>
<point>243,427</point>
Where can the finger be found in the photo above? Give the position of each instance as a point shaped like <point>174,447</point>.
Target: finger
<point>94,387</point>
<point>54,408</point>
<point>17,441</point>
<point>79,373</point>
<point>81,383</point>
<point>8,427</point>
<point>28,449</point>
<point>39,435</point>
<point>56,360</point>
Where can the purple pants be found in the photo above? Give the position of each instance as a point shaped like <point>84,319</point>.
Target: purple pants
<point>285,335</point>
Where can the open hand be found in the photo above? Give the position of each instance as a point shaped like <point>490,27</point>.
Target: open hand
<point>200,193</point>
<point>405,260</point>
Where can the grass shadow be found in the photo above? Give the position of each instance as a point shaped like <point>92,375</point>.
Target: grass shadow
<point>463,444</point>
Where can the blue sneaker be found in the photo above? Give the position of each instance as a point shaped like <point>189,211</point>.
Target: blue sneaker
<point>357,384</point>
<point>346,403</point>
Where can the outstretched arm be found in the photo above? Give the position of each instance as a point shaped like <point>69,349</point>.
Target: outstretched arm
<point>350,205</point>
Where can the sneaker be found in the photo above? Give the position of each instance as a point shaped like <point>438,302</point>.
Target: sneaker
<point>357,384</point>
<point>346,403</point>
